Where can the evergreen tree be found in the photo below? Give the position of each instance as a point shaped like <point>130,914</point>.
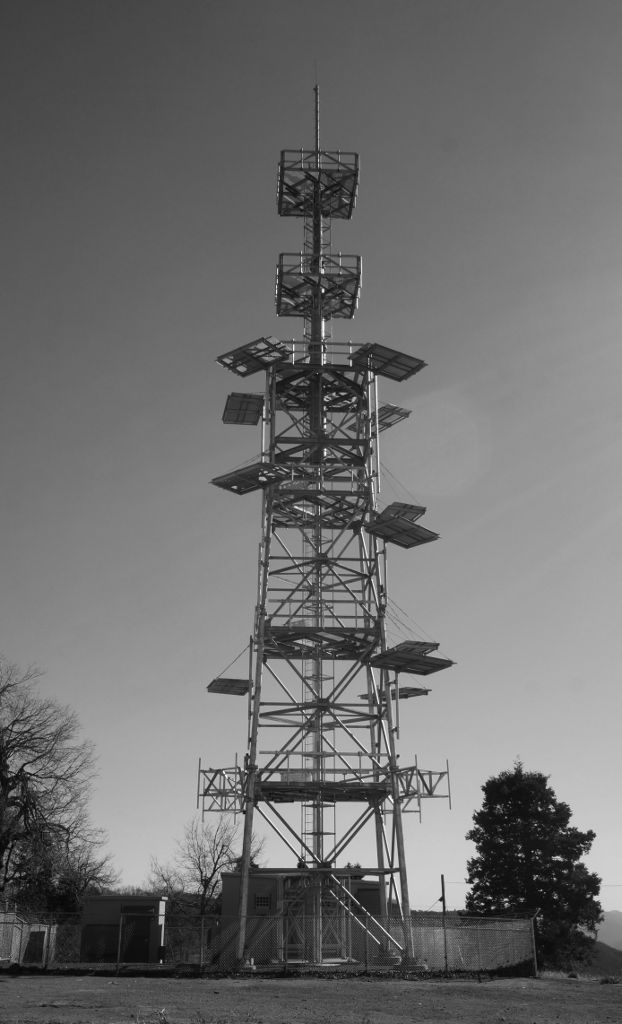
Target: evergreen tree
<point>528,861</point>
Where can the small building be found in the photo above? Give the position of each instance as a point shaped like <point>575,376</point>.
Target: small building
<point>127,929</point>
<point>282,922</point>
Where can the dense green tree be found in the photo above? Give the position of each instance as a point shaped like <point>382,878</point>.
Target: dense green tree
<point>54,877</point>
<point>528,860</point>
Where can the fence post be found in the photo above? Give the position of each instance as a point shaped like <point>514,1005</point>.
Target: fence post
<point>119,941</point>
<point>202,941</point>
<point>533,947</point>
<point>45,952</point>
<point>444,924</point>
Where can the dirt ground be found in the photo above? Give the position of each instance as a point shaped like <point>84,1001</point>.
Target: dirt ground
<point>45,999</point>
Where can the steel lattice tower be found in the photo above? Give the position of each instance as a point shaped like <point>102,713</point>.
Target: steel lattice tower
<point>324,685</point>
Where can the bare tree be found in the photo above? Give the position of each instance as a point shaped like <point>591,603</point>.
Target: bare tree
<point>202,854</point>
<point>46,771</point>
<point>57,877</point>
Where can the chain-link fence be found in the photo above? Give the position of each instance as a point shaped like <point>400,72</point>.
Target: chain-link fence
<point>434,943</point>
<point>10,936</point>
<point>25,940</point>
<point>456,943</point>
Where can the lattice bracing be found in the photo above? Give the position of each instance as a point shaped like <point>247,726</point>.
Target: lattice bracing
<point>324,691</point>
<point>223,789</point>
<point>309,179</point>
<point>298,282</point>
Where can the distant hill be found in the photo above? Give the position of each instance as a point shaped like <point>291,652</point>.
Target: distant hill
<point>610,931</point>
<point>606,962</point>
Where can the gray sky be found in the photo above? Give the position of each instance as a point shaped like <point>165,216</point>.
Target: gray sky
<point>140,240</point>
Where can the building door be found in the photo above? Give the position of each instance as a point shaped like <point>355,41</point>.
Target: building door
<point>136,933</point>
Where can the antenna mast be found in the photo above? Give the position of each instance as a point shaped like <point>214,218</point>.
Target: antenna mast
<point>324,688</point>
<point>316,90</point>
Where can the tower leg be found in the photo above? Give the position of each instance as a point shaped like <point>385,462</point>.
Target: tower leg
<point>398,827</point>
<point>409,952</point>
<point>381,863</point>
<point>251,758</point>
<point>245,871</point>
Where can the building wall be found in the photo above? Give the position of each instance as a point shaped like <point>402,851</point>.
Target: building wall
<point>280,917</point>
<point>128,928</point>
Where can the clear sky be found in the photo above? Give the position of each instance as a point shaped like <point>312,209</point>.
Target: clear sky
<point>140,238</point>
